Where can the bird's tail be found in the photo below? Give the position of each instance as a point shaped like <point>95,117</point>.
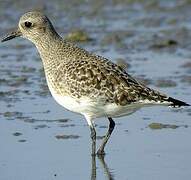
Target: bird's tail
<point>176,103</point>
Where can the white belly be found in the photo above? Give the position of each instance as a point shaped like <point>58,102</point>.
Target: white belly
<point>93,109</point>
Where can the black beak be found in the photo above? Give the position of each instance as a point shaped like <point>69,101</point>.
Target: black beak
<point>11,35</point>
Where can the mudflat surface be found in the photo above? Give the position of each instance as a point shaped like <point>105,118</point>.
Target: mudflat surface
<point>41,140</point>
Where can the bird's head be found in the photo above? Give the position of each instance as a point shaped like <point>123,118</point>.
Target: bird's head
<point>32,25</point>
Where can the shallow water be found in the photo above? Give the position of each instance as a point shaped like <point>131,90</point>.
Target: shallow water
<point>41,140</point>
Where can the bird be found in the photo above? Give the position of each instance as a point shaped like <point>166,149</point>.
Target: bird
<point>86,83</point>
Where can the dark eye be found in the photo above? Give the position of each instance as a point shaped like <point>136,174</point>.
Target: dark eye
<point>28,24</point>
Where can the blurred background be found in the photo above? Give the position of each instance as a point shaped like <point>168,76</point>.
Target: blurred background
<point>41,140</point>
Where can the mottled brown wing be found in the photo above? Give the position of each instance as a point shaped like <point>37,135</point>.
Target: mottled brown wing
<point>101,78</point>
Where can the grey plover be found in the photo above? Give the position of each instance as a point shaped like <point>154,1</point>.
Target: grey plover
<point>83,82</point>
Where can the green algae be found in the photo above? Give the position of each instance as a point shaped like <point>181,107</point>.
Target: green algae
<point>164,43</point>
<point>155,126</point>
<point>78,35</point>
<point>165,83</point>
<point>12,115</point>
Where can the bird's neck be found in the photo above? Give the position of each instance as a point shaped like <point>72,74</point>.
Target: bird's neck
<point>49,47</point>
<point>47,44</point>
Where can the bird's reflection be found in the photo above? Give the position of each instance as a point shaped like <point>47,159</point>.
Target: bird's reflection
<point>93,173</point>
<point>106,169</point>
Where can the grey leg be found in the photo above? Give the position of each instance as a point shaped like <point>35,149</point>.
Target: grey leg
<point>100,151</point>
<point>93,137</point>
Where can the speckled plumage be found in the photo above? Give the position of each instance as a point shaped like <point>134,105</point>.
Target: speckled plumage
<point>85,74</point>
<point>84,82</point>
